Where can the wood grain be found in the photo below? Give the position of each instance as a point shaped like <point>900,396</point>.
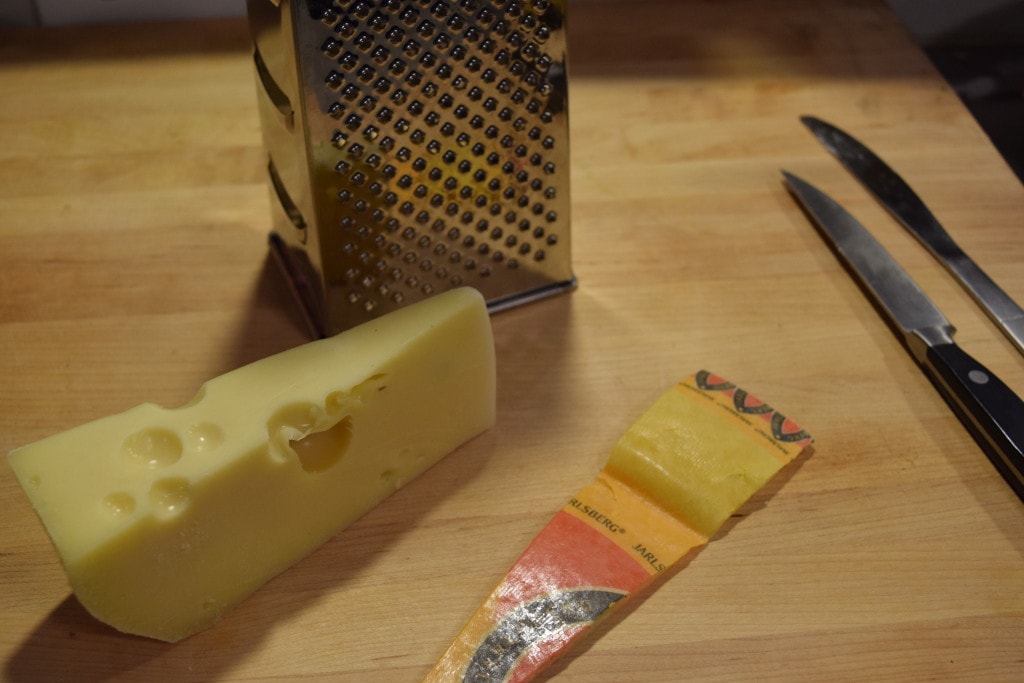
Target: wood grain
<point>133,267</point>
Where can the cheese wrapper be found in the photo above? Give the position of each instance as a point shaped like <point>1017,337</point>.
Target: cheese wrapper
<point>676,475</point>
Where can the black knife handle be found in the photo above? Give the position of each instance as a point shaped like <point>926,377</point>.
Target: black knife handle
<point>988,408</point>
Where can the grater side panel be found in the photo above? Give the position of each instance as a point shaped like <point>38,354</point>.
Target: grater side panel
<point>437,150</point>
<point>294,240</point>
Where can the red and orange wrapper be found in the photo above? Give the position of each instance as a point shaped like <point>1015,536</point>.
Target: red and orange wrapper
<point>676,475</point>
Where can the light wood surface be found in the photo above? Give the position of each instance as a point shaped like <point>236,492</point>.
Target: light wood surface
<point>133,267</point>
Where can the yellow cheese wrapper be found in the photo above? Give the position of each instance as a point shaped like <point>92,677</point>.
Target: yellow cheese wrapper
<point>676,475</point>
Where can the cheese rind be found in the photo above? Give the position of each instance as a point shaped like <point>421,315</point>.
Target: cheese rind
<point>166,518</point>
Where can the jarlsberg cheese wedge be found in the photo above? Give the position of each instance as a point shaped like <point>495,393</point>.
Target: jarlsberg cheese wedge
<point>679,472</point>
<point>165,518</point>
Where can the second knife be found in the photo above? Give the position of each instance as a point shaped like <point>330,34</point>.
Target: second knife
<point>903,203</point>
<point>992,413</point>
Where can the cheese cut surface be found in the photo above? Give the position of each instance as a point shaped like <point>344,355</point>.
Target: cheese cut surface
<point>166,518</point>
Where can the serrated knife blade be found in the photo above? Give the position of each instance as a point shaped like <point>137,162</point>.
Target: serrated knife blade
<point>908,208</point>
<point>990,410</point>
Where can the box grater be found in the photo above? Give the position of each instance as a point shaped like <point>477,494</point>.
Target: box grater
<point>414,146</point>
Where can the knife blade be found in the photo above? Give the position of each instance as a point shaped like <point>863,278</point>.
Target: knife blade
<point>910,210</point>
<point>990,410</point>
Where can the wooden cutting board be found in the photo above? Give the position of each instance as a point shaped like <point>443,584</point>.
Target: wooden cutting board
<point>133,266</point>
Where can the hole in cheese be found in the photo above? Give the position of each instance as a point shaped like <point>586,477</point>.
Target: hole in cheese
<point>319,450</point>
<point>204,437</point>
<point>170,496</point>
<point>197,398</point>
<point>153,448</point>
<point>306,432</point>
<point>119,503</point>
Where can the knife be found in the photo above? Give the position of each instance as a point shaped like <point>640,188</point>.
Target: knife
<point>894,193</point>
<point>992,413</point>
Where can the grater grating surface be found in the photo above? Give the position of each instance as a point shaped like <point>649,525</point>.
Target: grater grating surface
<point>415,146</point>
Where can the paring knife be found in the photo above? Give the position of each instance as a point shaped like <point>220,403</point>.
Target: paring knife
<point>903,203</point>
<point>987,407</point>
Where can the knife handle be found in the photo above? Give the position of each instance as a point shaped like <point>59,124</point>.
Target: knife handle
<point>988,408</point>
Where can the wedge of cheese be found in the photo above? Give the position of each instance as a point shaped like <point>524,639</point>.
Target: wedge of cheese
<point>165,518</point>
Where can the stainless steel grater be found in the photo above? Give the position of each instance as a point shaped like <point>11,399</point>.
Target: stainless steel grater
<point>414,146</point>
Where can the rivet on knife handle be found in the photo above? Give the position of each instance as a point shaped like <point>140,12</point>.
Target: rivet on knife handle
<point>989,409</point>
<point>908,208</point>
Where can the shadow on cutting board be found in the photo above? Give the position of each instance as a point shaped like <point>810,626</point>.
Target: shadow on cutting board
<point>272,322</point>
